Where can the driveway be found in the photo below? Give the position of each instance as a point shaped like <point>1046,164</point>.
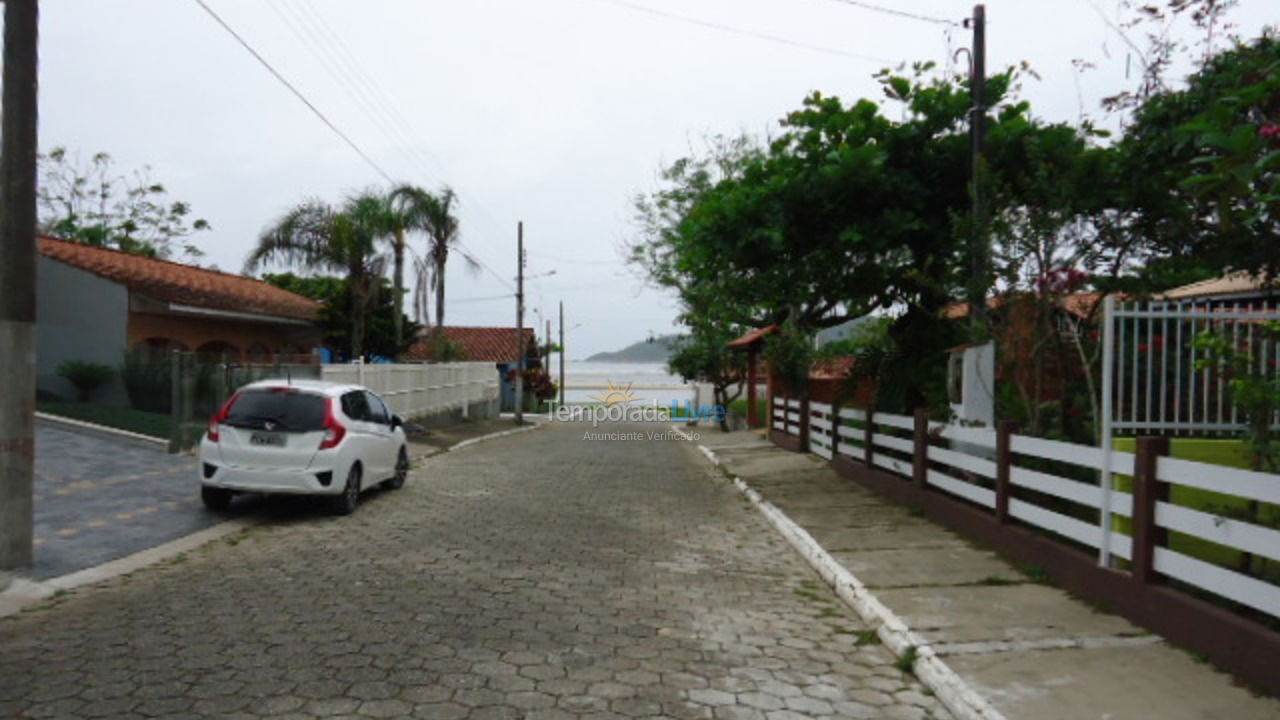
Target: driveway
<point>541,575</point>
<point>99,497</point>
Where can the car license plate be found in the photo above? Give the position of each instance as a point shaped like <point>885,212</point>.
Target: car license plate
<point>267,439</point>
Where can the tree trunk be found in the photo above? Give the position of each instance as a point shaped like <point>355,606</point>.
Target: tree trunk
<point>440,290</point>
<point>359,308</point>
<point>398,282</point>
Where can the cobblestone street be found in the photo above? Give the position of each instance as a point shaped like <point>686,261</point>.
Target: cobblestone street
<point>539,575</point>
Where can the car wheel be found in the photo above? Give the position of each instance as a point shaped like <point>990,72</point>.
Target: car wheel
<point>345,504</point>
<point>402,471</point>
<point>216,499</point>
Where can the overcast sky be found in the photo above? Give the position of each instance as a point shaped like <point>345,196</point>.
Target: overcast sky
<point>554,112</point>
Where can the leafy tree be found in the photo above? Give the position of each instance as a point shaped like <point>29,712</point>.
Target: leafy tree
<point>335,316</point>
<point>318,237</point>
<point>845,213</point>
<point>1209,160</point>
<point>92,203</point>
<point>704,356</point>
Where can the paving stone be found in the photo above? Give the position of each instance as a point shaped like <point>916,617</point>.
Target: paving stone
<point>539,576</point>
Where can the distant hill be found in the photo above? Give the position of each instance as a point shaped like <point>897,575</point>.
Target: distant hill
<point>645,351</point>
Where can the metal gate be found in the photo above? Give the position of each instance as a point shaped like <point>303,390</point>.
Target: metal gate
<point>200,383</point>
<point>1153,380</point>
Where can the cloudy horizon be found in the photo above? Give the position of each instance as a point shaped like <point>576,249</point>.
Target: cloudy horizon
<point>555,114</point>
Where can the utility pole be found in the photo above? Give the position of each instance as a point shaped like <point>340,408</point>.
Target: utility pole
<point>520,348</point>
<point>560,404</point>
<point>18,146</point>
<point>980,252</point>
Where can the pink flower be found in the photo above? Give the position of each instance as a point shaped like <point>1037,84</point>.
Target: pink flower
<point>1271,130</point>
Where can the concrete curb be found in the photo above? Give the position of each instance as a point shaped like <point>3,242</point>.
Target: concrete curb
<point>492,436</point>
<point>21,592</point>
<point>82,425</point>
<point>952,691</point>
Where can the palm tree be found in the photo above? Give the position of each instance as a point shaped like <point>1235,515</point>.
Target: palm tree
<point>410,207</point>
<point>316,236</point>
<point>442,234</point>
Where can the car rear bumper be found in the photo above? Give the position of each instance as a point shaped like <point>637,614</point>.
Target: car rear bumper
<point>291,482</point>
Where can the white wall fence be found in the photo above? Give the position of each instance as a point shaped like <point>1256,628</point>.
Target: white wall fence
<point>1056,487</point>
<point>1152,375</point>
<point>422,390</point>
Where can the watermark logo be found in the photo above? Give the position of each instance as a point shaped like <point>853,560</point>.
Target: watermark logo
<point>616,395</point>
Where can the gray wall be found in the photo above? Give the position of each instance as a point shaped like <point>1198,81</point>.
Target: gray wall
<point>79,316</point>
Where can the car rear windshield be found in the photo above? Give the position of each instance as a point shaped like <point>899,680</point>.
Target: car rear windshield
<point>277,410</point>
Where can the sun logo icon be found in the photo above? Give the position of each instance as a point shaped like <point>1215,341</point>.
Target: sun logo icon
<point>617,395</point>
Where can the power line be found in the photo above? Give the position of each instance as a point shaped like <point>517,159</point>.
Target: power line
<point>899,13</point>
<point>747,33</point>
<point>298,94</point>
<point>301,29</point>
<point>463,250</point>
<point>489,298</point>
<point>377,105</point>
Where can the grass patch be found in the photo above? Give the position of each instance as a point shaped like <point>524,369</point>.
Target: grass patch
<point>915,511</point>
<point>1036,574</point>
<point>907,663</point>
<point>994,581</point>
<point>139,421</point>
<point>869,637</point>
<point>809,595</point>
<point>1225,452</point>
<point>739,407</point>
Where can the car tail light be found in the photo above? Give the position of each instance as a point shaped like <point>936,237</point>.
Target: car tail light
<point>333,430</point>
<point>220,418</point>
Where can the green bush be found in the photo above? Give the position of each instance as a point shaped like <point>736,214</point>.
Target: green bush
<point>86,376</point>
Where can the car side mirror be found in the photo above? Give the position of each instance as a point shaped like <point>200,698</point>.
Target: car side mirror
<point>396,421</point>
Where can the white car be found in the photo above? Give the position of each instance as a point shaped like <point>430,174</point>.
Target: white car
<point>302,437</point>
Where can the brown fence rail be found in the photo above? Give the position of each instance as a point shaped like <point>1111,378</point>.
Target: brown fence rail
<point>1041,502</point>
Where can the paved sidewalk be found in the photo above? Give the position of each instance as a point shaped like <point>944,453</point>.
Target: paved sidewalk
<point>539,575</point>
<point>1031,650</point>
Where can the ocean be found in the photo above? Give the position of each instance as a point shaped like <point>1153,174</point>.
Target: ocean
<point>587,382</point>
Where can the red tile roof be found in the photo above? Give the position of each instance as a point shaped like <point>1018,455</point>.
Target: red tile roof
<point>479,344</point>
<point>183,284</point>
<point>1078,304</point>
<point>753,337</point>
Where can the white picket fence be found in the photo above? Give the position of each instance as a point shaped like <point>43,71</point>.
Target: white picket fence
<point>963,462</point>
<point>421,390</point>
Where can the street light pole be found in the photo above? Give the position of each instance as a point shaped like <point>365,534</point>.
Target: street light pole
<point>520,348</point>
<point>561,400</point>
<point>18,147</point>
<point>980,251</point>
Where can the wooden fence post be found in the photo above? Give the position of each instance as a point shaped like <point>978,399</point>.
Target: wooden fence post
<point>868,431</point>
<point>920,456</point>
<point>804,424</point>
<point>1004,460</point>
<point>1147,492</point>
<point>835,429</point>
